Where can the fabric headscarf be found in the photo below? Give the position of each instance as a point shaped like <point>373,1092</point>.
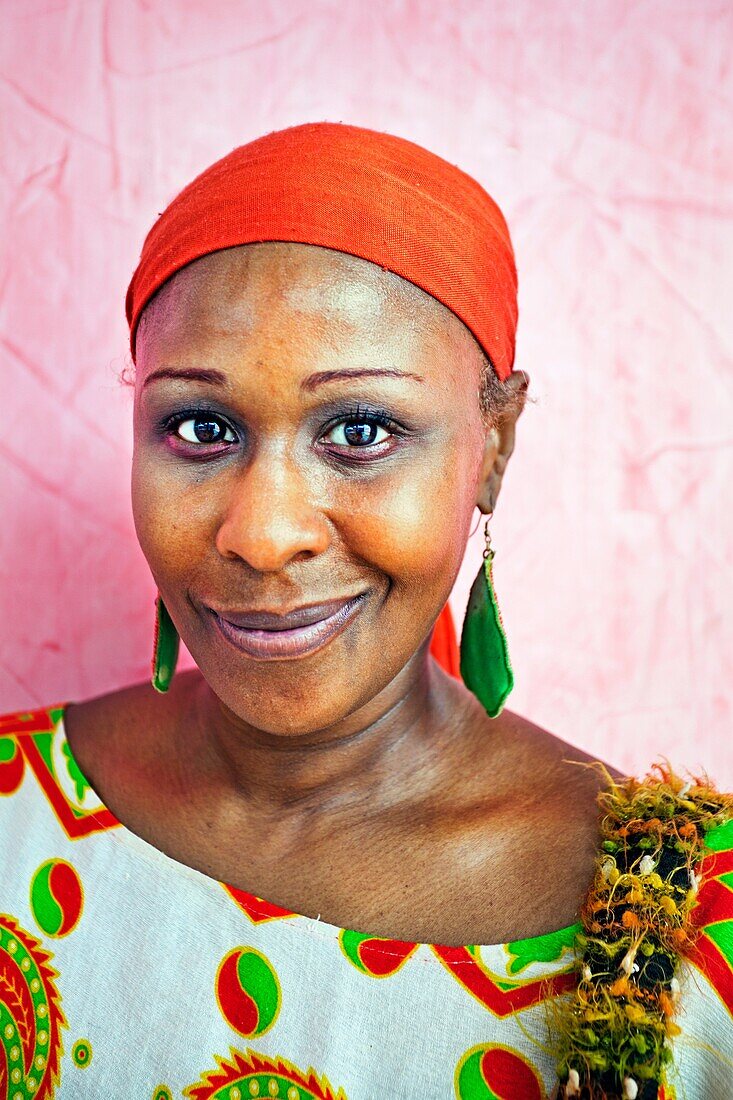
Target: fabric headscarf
<point>358,191</point>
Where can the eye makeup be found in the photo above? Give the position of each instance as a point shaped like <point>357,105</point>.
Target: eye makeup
<point>210,420</point>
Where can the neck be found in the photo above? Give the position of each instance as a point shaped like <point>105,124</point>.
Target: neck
<point>378,755</point>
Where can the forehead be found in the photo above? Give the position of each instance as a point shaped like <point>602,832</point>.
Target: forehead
<point>238,289</point>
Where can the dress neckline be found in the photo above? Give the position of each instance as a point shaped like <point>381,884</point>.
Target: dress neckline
<point>268,910</point>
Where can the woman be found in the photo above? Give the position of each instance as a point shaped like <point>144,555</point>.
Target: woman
<point>323,330</point>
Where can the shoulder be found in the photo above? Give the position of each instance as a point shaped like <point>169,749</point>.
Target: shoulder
<point>524,778</point>
<point>138,714</point>
<point>29,736</point>
<point>132,706</point>
<point>121,737</point>
<point>539,768</point>
<point>556,785</point>
<point>526,802</point>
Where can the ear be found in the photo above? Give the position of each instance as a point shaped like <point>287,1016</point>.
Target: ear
<point>499,445</point>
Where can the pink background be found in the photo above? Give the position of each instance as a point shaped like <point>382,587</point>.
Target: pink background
<point>604,131</point>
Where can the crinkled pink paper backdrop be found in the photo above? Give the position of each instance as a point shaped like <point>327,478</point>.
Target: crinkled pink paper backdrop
<point>604,131</point>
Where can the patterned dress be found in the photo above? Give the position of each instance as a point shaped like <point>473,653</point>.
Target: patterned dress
<point>125,975</point>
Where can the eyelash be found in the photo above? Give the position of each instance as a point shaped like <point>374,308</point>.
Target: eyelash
<point>360,415</point>
<point>354,414</point>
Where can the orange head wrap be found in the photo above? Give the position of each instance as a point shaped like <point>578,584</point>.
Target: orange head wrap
<point>357,191</point>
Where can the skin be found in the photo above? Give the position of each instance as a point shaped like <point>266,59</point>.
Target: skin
<point>359,783</point>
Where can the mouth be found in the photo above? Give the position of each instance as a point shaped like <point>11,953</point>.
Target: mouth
<point>265,636</point>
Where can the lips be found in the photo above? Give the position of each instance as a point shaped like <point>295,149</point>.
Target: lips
<point>265,635</point>
<point>300,616</point>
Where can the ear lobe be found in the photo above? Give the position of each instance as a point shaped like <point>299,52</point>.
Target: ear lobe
<point>486,499</point>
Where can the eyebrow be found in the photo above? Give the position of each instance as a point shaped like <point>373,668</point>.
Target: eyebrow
<point>194,374</point>
<point>318,379</point>
<point>217,378</point>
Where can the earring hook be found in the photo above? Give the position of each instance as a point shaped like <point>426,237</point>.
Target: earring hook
<point>472,533</point>
<point>487,536</point>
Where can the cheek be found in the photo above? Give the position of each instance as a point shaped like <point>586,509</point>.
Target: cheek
<point>167,519</point>
<point>414,528</point>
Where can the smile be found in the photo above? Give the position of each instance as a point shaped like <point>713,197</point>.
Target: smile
<point>276,643</point>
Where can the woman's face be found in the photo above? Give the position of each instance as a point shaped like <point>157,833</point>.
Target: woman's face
<point>307,431</point>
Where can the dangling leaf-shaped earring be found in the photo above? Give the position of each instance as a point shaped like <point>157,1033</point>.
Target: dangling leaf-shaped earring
<point>485,665</point>
<point>165,647</point>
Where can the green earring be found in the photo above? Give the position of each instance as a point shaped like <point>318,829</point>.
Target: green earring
<point>485,666</point>
<point>165,647</point>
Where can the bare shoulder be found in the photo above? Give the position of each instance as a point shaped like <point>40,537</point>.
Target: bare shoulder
<point>534,767</point>
<point>93,726</point>
<point>530,804</point>
<point>561,769</point>
<point>111,731</point>
<point>130,706</point>
<point>555,782</point>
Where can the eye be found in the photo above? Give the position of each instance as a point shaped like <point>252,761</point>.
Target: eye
<point>363,432</point>
<point>204,429</point>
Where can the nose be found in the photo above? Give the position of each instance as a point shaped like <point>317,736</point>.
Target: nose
<point>270,518</point>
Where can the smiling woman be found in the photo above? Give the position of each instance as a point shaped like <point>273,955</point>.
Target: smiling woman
<point>323,331</point>
<point>325,490</point>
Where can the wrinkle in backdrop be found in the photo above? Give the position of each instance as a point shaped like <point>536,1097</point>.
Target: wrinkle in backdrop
<point>603,131</point>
